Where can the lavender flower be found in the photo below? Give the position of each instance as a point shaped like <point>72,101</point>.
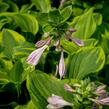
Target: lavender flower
<point>61,66</point>
<point>57,102</point>
<point>36,55</point>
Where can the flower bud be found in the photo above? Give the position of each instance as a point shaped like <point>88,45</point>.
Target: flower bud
<point>61,66</point>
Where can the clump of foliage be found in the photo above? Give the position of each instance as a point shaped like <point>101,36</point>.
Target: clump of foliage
<point>54,54</point>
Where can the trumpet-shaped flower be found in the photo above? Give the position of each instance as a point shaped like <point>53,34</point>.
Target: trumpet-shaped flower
<point>61,66</point>
<point>57,102</point>
<point>36,55</point>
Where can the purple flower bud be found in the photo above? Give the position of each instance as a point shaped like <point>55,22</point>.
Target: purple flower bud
<point>77,41</point>
<point>102,87</point>
<point>61,66</point>
<point>43,42</point>
<point>68,88</point>
<point>104,101</point>
<point>57,102</point>
<point>101,90</point>
<point>40,43</point>
<point>71,30</point>
<point>34,57</point>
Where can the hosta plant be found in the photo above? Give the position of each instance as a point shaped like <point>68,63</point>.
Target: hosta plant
<point>54,54</point>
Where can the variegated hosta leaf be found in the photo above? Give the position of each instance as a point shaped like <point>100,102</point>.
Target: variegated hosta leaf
<point>66,13</point>
<point>26,22</point>
<point>86,61</point>
<point>84,24</point>
<point>41,86</point>
<point>10,39</point>
<point>42,5</point>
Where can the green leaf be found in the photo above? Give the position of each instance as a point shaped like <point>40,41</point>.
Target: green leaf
<point>55,17</point>
<point>66,13</point>
<point>47,28</point>
<point>23,50</point>
<point>3,82</point>
<point>26,22</point>
<point>30,105</point>
<point>10,39</point>
<point>105,42</point>
<point>3,22</point>
<point>90,42</point>
<point>42,5</point>
<point>3,7</point>
<point>3,75</point>
<point>42,18</point>
<point>15,74</point>
<point>5,65</point>
<point>26,8</point>
<point>85,25</point>
<point>41,86</point>
<point>12,6</point>
<point>86,61</point>
<point>98,18</point>
<point>69,47</point>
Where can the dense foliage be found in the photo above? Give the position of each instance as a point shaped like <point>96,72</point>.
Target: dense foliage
<point>54,54</point>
